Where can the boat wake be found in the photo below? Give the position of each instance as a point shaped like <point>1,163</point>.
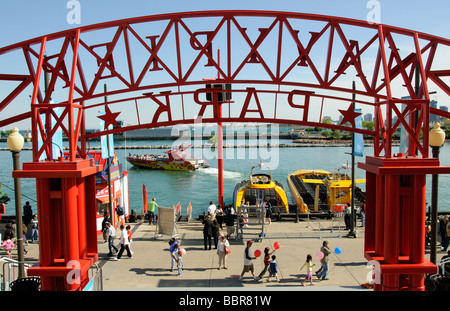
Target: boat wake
<point>215,171</point>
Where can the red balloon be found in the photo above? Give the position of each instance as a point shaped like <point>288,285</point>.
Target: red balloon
<point>257,253</point>
<point>276,245</point>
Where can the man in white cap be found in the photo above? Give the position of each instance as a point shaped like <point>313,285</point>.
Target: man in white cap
<point>248,262</point>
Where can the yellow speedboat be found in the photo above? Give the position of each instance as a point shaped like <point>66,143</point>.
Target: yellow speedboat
<point>259,187</point>
<point>322,191</point>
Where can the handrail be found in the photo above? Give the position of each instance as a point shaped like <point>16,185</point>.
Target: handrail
<point>442,264</point>
<point>9,275</point>
<point>97,277</point>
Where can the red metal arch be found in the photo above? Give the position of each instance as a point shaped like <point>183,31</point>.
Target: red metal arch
<point>79,63</point>
<point>158,65</point>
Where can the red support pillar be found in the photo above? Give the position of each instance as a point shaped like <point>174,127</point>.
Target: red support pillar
<point>418,236</point>
<point>66,215</point>
<point>391,226</point>
<point>220,156</point>
<point>395,219</point>
<point>379,214</point>
<point>70,224</point>
<point>45,225</point>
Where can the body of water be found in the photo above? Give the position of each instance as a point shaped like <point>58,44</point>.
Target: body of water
<point>200,187</point>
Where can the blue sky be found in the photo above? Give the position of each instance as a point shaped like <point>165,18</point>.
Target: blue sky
<point>26,19</point>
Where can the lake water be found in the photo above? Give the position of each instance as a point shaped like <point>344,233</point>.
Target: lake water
<point>200,187</point>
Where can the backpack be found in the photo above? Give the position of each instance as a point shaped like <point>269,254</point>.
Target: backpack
<point>120,211</point>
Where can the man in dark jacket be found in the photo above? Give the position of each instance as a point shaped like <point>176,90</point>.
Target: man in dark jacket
<point>229,222</point>
<point>207,231</point>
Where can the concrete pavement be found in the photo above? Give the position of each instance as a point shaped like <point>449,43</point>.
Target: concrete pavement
<point>149,267</point>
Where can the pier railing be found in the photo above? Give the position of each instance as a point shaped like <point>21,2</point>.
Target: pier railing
<point>10,271</point>
<point>442,264</point>
<point>250,222</point>
<point>96,279</point>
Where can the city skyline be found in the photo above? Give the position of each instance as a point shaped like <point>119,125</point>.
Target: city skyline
<point>359,10</point>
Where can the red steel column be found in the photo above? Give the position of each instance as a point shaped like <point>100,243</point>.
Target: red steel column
<point>370,211</point>
<point>82,247</point>
<point>70,221</point>
<point>417,249</point>
<point>400,214</point>
<point>379,216</point>
<point>63,227</point>
<point>391,229</point>
<point>44,223</point>
<point>220,156</point>
<point>405,213</point>
<point>91,216</point>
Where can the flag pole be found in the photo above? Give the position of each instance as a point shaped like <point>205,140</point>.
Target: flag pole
<point>109,172</point>
<point>352,215</point>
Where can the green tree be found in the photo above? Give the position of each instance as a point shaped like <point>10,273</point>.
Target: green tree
<point>368,125</point>
<point>326,134</point>
<point>336,134</point>
<point>3,196</point>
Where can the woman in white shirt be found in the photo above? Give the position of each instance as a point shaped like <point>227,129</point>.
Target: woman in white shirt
<point>221,246</point>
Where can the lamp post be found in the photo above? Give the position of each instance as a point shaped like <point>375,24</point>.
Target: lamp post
<point>15,144</point>
<point>437,138</point>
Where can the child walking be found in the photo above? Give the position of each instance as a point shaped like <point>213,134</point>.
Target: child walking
<point>266,261</point>
<point>273,269</point>
<point>180,262</point>
<point>8,245</point>
<point>130,239</point>
<point>309,268</point>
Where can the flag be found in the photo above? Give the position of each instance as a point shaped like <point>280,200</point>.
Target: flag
<point>189,211</point>
<point>144,199</point>
<point>358,147</point>
<point>189,208</point>
<point>178,207</point>
<point>104,142</point>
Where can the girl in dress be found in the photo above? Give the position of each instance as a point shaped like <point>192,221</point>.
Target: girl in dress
<point>309,267</point>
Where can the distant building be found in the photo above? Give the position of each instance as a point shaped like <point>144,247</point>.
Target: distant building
<point>433,118</point>
<point>443,108</point>
<point>368,117</point>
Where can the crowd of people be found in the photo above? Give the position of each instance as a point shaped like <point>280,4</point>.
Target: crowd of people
<point>213,222</point>
<point>29,231</point>
<point>219,226</point>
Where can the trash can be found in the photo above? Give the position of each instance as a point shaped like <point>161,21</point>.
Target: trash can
<point>29,284</point>
<point>441,282</point>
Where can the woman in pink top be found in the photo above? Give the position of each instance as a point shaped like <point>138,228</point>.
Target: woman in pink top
<point>8,245</point>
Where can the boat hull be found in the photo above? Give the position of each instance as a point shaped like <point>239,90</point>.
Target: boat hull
<point>162,165</point>
<point>322,191</point>
<point>177,159</point>
<point>254,193</point>
<point>299,192</point>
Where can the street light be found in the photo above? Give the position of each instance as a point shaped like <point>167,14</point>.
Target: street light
<point>437,138</point>
<point>15,144</point>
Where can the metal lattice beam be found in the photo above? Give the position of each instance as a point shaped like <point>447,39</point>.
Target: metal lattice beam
<point>132,59</point>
